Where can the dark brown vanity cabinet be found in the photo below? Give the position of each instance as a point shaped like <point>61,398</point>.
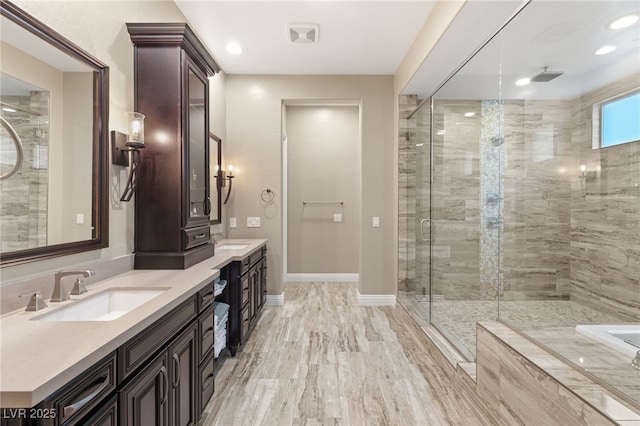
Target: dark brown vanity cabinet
<point>164,392</point>
<point>144,401</point>
<point>172,198</point>
<point>161,376</point>
<point>247,283</point>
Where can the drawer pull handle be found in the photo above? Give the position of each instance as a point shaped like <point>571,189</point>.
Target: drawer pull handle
<point>207,297</point>
<point>72,408</point>
<point>165,380</point>
<point>208,382</point>
<point>206,334</point>
<point>199,236</point>
<point>176,359</point>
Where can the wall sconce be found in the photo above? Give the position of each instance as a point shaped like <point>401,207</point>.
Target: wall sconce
<point>125,149</point>
<point>222,177</point>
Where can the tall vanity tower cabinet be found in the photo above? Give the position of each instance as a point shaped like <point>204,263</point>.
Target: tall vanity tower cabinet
<point>172,196</point>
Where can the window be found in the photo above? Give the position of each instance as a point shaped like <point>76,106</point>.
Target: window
<point>620,120</point>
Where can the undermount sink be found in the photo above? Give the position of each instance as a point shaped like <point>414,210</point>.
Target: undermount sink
<point>227,246</point>
<point>104,306</point>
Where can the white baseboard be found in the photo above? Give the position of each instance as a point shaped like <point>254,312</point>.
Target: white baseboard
<point>376,299</point>
<point>342,278</point>
<point>275,300</point>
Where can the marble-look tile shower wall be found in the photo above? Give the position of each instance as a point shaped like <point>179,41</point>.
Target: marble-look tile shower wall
<point>605,214</point>
<point>537,194</point>
<point>563,236</point>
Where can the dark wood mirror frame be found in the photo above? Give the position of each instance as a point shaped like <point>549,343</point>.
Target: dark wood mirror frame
<point>217,219</point>
<point>100,193</point>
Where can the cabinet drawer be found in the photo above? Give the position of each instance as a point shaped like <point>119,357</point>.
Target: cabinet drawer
<point>256,256</point>
<point>251,260</point>
<point>196,236</point>
<point>106,415</point>
<point>84,393</point>
<point>245,318</point>
<point>205,297</point>
<point>206,328</point>
<point>207,382</point>
<point>244,292</point>
<point>133,354</point>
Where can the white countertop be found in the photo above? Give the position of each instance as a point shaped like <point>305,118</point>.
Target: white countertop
<point>39,357</point>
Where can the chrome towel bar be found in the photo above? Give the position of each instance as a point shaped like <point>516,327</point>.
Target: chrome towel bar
<point>322,203</point>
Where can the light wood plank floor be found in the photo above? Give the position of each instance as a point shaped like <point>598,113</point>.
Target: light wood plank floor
<point>321,359</point>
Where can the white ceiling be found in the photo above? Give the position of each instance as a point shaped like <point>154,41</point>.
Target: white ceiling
<point>372,37</point>
<point>355,37</point>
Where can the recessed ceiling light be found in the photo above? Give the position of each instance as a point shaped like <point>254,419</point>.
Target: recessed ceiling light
<point>234,48</point>
<point>623,22</point>
<point>469,114</point>
<point>605,49</point>
<point>7,109</point>
<point>523,81</point>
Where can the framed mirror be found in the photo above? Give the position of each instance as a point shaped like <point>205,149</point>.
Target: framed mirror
<point>215,149</point>
<point>53,151</point>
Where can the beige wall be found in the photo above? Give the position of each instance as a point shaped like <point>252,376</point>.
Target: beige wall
<point>323,164</point>
<point>254,137</point>
<point>99,28</point>
<point>75,167</point>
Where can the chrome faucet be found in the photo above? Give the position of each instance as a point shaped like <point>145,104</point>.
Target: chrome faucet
<point>59,295</point>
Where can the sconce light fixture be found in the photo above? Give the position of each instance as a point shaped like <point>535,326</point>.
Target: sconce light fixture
<point>222,177</point>
<point>125,149</point>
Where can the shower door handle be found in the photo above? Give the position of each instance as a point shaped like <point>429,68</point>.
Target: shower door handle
<point>422,222</point>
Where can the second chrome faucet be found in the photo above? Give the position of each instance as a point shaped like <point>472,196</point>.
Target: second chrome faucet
<point>59,293</point>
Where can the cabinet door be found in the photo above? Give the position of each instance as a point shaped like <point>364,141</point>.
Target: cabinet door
<point>197,147</point>
<point>263,282</point>
<point>255,292</point>
<point>145,400</point>
<point>183,375</point>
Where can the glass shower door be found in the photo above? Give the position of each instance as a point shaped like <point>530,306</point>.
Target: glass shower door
<point>466,200</point>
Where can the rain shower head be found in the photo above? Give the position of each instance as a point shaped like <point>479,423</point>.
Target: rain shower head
<point>546,76</point>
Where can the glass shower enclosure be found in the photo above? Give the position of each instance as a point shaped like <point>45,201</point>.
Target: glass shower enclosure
<point>514,206</point>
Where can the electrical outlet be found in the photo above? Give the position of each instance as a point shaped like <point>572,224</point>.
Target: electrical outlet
<point>253,222</point>
<point>79,218</point>
<point>376,222</point>
<point>337,217</point>
<point>232,222</point>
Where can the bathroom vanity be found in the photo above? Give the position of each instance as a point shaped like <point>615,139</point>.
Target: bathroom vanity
<point>153,365</point>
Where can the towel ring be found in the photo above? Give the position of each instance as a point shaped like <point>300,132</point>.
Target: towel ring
<point>267,195</point>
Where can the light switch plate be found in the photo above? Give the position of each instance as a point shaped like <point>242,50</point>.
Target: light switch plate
<point>337,217</point>
<point>376,222</point>
<point>232,222</point>
<point>253,222</point>
<point>79,218</point>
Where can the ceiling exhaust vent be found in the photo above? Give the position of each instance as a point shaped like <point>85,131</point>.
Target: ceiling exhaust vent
<point>303,33</point>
